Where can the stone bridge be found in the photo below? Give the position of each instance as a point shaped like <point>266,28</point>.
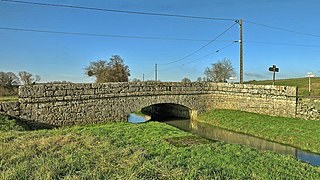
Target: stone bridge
<point>72,104</point>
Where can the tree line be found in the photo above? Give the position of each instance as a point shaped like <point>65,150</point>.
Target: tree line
<point>11,79</point>
<point>115,70</point>
<point>217,72</point>
<point>9,82</point>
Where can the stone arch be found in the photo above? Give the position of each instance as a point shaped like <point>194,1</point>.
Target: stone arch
<point>189,102</point>
<point>166,110</point>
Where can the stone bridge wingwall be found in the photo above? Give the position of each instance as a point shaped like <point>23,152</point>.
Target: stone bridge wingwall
<point>71,104</point>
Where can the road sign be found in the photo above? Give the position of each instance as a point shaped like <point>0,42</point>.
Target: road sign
<point>310,74</point>
<point>232,77</point>
<point>274,69</point>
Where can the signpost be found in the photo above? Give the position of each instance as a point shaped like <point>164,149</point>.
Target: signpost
<point>310,75</point>
<point>232,78</point>
<point>274,69</point>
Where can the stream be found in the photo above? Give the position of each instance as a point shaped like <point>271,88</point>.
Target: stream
<point>215,133</point>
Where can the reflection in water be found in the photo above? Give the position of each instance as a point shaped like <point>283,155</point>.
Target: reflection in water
<point>215,133</point>
<point>239,138</point>
<point>309,157</point>
<point>133,118</point>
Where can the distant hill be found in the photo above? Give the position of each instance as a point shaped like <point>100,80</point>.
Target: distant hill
<point>302,83</point>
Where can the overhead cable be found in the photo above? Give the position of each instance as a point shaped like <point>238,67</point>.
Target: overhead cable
<point>217,51</point>
<point>144,37</point>
<point>101,35</point>
<point>282,29</point>
<point>147,76</point>
<point>119,11</point>
<point>192,53</point>
<point>281,43</point>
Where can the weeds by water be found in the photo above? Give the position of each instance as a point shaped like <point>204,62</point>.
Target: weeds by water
<point>137,151</point>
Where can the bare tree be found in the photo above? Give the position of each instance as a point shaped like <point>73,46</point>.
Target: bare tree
<point>113,71</point>
<point>204,79</point>
<point>220,71</point>
<point>8,79</point>
<point>27,78</point>
<point>185,80</point>
<point>38,78</point>
<point>135,80</point>
<point>199,79</point>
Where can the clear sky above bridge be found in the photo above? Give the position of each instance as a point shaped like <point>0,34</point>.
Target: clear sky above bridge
<point>285,33</point>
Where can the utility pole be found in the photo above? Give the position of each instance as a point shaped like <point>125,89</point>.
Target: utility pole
<point>156,72</point>
<point>142,77</point>
<point>241,53</point>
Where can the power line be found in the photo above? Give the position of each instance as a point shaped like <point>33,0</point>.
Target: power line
<point>120,11</point>
<point>144,37</point>
<point>147,76</point>
<point>217,51</point>
<point>226,46</point>
<point>213,40</point>
<point>282,29</point>
<point>281,43</point>
<point>102,35</point>
<point>155,14</point>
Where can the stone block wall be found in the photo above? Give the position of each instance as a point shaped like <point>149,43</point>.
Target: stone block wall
<point>10,108</point>
<point>70,104</point>
<point>263,99</point>
<point>308,108</point>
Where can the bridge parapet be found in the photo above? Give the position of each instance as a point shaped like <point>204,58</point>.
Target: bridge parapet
<point>65,92</point>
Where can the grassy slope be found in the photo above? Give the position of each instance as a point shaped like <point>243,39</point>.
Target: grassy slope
<point>302,83</point>
<point>297,132</point>
<point>137,151</point>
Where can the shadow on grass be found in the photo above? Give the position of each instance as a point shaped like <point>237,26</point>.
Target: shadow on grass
<point>8,123</point>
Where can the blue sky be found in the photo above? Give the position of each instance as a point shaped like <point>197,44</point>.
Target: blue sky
<point>58,57</point>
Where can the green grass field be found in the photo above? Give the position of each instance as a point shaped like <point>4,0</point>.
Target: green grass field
<point>301,83</point>
<point>304,134</point>
<point>137,151</point>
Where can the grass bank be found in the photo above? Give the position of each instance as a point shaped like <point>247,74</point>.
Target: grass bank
<point>137,151</point>
<point>301,83</point>
<point>297,132</point>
